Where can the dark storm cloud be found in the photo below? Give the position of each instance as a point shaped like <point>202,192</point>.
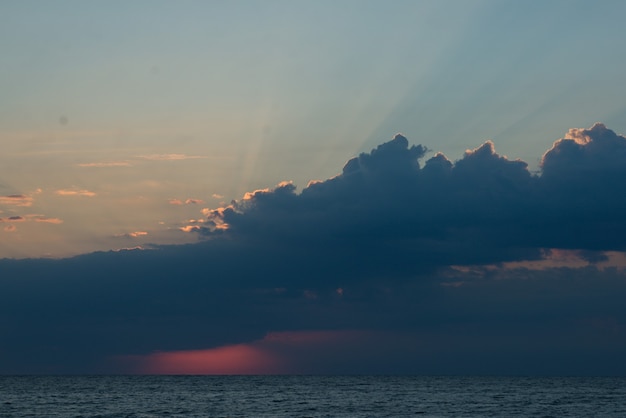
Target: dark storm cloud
<point>384,210</point>
<point>370,249</point>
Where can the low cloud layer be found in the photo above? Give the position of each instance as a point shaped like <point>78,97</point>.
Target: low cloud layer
<point>456,267</point>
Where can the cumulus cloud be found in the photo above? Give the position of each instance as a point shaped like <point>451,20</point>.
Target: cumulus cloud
<point>580,183</point>
<point>585,153</point>
<point>386,213</point>
<point>387,210</point>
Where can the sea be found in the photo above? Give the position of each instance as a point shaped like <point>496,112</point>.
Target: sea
<point>311,396</point>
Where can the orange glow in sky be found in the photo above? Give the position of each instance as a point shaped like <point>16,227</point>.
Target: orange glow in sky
<point>234,359</point>
<point>276,353</point>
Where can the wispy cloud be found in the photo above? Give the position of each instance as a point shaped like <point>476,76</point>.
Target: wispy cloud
<point>106,164</point>
<point>148,157</point>
<point>75,192</point>
<point>11,220</point>
<point>16,200</point>
<point>170,157</point>
<point>45,219</point>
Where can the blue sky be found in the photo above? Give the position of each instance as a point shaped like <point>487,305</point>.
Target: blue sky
<point>187,183</point>
<point>273,91</point>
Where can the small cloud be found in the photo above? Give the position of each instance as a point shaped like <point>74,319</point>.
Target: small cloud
<point>179,202</point>
<point>135,234</point>
<point>107,164</point>
<point>216,217</point>
<point>193,201</point>
<point>10,228</point>
<point>190,228</point>
<point>75,192</point>
<point>217,196</point>
<point>170,157</point>
<point>16,200</point>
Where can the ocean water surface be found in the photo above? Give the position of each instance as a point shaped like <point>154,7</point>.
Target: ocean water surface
<point>310,396</point>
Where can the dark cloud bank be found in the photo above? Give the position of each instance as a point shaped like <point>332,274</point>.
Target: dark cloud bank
<point>415,253</point>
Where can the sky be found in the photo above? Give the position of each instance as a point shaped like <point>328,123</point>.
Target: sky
<point>212,187</point>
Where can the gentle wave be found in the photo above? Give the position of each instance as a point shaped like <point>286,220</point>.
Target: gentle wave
<point>309,396</point>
